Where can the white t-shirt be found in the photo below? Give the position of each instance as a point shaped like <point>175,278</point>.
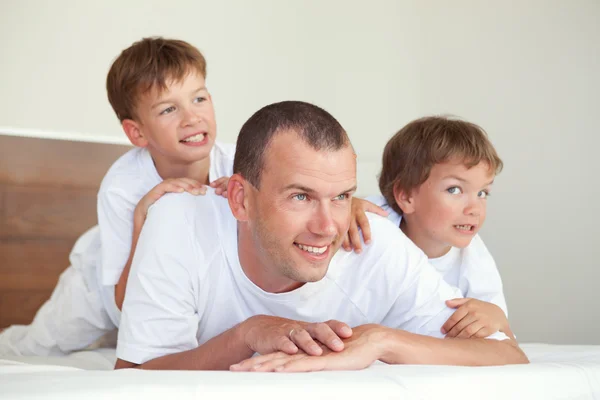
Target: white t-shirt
<point>186,285</point>
<point>129,179</point>
<point>472,269</point>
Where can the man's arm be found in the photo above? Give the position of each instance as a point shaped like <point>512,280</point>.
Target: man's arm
<point>372,342</point>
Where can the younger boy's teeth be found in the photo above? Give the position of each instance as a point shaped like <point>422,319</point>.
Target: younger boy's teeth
<point>196,138</point>
<point>311,249</point>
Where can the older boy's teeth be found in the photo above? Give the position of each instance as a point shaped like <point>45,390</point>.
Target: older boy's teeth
<point>196,138</point>
<point>463,227</point>
<point>311,249</point>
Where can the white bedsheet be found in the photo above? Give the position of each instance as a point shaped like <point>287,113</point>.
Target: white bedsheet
<point>556,372</point>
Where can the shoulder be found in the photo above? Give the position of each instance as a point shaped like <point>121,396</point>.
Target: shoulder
<point>380,201</point>
<point>129,173</point>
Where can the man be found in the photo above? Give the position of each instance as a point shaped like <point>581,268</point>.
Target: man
<point>203,297</point>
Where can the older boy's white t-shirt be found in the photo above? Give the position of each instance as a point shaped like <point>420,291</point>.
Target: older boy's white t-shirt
<point>472,269</point>
<point>187,285</point>
<point>129,179</point>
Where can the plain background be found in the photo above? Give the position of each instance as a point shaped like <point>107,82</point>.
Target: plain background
<point>527,71</point>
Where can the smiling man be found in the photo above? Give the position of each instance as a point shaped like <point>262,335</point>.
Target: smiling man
<point>215,281</point>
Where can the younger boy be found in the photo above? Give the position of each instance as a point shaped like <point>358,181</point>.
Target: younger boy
<point>436,177</point>
<point>157,90</point>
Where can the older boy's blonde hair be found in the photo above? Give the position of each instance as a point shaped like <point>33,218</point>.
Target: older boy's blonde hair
<point>146,64</point>
<point>411,153</point>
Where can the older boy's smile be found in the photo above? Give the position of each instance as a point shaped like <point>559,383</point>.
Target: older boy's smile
<point>195,139</point>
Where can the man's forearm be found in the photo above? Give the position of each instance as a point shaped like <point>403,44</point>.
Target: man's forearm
<point>401,347</point>
<point>217,354</point>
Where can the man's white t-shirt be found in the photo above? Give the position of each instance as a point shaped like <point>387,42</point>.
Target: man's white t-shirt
<point>129,179</point>
<point>187,286</point>
<point>471,269</point>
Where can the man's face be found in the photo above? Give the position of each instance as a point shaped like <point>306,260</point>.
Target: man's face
<point>301,212</point>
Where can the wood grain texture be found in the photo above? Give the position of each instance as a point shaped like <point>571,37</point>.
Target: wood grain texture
<point>47,199</point>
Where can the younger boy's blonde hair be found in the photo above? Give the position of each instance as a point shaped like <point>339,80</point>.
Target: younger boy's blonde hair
<point>411,153</point>
<point>149,63</point>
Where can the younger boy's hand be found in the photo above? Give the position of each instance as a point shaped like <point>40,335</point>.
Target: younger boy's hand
<point>475,318</point>
<point>175,185</point>
<point>220,186</point>
<point>360,220</point>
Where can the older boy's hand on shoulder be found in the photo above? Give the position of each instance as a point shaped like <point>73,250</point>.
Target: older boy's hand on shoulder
<point>475,319</point>
<point>359,220</point>
<point>220,186</point>
<point>175,185</point>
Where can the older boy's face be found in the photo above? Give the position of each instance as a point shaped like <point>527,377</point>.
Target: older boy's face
<point>178,123</point>
<point>450,206</point>
<point>302,210</point>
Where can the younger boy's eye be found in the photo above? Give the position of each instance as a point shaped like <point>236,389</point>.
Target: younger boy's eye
<point>454,190</point>
<point>300,197</point>
<point>199,99</point>
<point>167,110</point>
<point>483,194</point>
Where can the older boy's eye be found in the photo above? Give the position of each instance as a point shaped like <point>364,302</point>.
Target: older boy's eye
<point>199,99</point>
<point>167,110</point>
<point>300,197</point>
<point>454,190</point>
<point>483,194</point>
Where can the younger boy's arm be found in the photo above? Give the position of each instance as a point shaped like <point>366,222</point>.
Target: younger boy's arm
<point>475,319</point>
<point>359,220</point>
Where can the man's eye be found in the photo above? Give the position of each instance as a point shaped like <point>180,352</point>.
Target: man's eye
<point>300,197</point>
<point>454,190</point>
<point>341,197</point>
<point>483,194</point>
<point>167,110</point>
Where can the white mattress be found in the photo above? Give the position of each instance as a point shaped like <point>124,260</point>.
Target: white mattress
<point>556,372</point>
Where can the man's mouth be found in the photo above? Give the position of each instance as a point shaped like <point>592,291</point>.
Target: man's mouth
<point>312,249</point>
<point>198,137</point>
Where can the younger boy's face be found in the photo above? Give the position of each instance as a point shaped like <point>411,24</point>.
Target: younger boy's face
<point>449,208</point>
<point>178,123</point>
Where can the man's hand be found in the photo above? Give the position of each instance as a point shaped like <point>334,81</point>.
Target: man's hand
<point>176,185</point>
<point>475,318</point>
<point>220,186</point>
<point>264,334</point>
<point>359,220</point>
<point>361,350</point>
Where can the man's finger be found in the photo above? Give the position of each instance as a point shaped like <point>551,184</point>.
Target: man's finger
<point>324,334</point>
<point>469,330</point>
<point>305,342</point>
<point>339,328</point>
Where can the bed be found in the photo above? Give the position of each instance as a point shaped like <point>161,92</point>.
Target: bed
<point>48,197</point>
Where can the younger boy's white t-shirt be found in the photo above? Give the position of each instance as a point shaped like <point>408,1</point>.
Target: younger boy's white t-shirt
<point>472,269</point>
<point>129,179</point>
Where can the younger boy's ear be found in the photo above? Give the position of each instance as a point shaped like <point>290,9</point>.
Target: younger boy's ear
<point>404,200</point>
<point>134,133</point>
<point>237,197</point>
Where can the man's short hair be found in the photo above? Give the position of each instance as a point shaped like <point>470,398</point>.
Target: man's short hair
<point>411,153</point>
<point>315,126</point>
<point>146,64</point>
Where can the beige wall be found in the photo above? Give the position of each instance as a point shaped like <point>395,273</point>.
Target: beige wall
<point>526,71</point>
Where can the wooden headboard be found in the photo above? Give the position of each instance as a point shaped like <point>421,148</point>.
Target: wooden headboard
<point>47,199</point>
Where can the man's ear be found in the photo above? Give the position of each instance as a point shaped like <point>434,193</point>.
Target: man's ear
<point>134,133</point>
<point>404,200</point>
<point>237,196</point>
